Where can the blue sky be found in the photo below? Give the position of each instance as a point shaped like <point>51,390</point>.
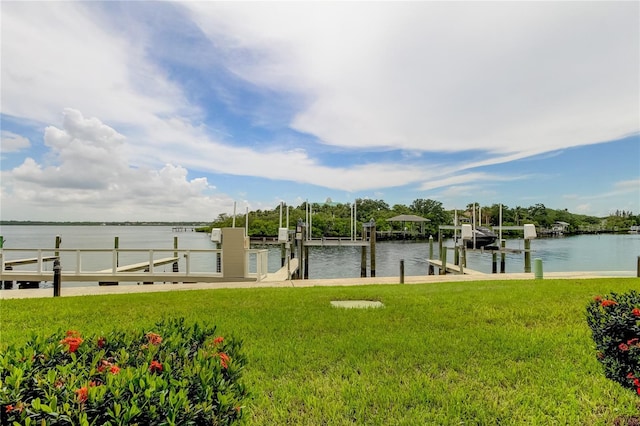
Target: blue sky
<point>174,111</point>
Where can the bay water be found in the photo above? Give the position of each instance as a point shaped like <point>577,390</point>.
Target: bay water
<point>604,252</point>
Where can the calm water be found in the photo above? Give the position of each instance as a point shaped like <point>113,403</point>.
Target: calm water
<point>577,253</point>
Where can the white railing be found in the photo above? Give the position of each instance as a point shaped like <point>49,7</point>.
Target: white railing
<point>261,262</point>
<point>114,262</point>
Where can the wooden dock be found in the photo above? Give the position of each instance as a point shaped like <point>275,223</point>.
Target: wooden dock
<point>450,267</point>
<point>141,266</point>
<point>282,274</point>
<point>29,261</point>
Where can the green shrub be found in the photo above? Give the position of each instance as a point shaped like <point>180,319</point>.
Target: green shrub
<point>615,324</point>
<point>173,374</point>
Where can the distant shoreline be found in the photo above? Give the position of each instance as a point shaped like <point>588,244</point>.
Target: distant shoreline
<point>126,223</point>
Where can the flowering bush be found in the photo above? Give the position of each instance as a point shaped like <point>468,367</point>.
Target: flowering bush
<point>175,374</point>
<point>615,324</point>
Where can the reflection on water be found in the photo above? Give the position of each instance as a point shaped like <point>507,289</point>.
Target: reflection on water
<point>576,253</point>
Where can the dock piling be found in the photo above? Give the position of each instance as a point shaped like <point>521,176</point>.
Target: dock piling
<point>56,278</point>
<point>401,271</point>
<point>443,258</point>
<point>431,270</point>
<point>527,255</point>
<point>372,242</point>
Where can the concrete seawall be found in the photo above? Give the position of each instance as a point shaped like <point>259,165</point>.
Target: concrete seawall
<point>424,279</point>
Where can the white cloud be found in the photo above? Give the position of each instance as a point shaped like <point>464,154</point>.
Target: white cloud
<point>441,76</point>
<point>12,142</point>
<point>475,177</point>
<point>61,54</point>
<point>88,176</point>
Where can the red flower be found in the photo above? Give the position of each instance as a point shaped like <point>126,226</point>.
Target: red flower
<point>9,408</point>
<point>72,342</point>
<point>630,376</point>
<point>636,382</point>
<point>224,359</point>
<point>155,367</point>
<point>101,342</point>
<point>82,394</point>
<point>606,303</point>
<point>598,299</point>
<point>154,338</point>
<point>633,341</point>
<point>218,340</point>
<point>623,347</point>
<point>638,390</point>
<point>636,312</point>
<point>114,369</point>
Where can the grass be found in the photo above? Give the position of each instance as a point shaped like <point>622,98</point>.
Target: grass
<point>492,352</point>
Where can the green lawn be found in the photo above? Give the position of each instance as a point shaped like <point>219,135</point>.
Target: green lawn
<point>491,352</point>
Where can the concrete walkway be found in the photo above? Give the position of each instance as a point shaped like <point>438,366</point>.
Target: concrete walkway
<point>128,288</point>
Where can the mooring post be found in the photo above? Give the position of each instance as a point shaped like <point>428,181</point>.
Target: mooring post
<point>116,246</point>
<point>58,242</point>
<point>503,255</point>
<point>527,255</point>
<point>401,271</point>
<point>456,255</point>
<point>464,255</point>
<point>443,259</point>
<point>430,270</point>
<point>363,262</point>
<point>638,269</point>
<point>56,278</point>
<point>306,262</point>
<point>494,263</point>
<point>175,254</point>
<point>372,241</point>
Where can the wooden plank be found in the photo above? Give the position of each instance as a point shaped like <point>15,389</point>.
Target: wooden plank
<point>454,268</point>
<point>29,261</point>
<point>282,274</point>
<point>142,265</point>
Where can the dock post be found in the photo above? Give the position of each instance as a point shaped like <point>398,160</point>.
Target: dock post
<point>494,263</point>
<point>456,255</point>
<point>116,246</point>
<point>363,262</point>
<point>56,278</point>
<point>175,254</point>
<point>58,242</point>
<point>527,255</point>
<point>443,258</point>
<point>464,255</point>
<point>306,263</point>
<point>372,242</point>
<point>638,268</point>
<point>503,255</point>
<point>401,271</point>
<point>430,270</point>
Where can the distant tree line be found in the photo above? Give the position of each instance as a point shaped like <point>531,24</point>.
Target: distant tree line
<point>334,219</point>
